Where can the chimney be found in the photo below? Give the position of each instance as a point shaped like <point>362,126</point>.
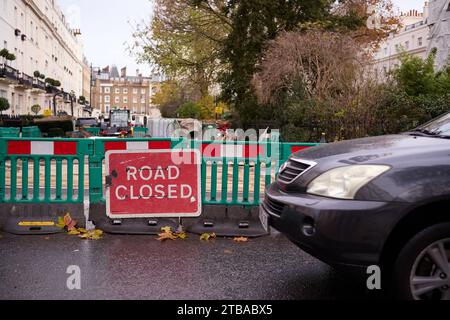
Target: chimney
<point>426,10</point>
<point>123,72</point>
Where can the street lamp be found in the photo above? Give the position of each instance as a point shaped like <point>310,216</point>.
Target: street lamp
<point>72,97</point>
<point>57,94</point>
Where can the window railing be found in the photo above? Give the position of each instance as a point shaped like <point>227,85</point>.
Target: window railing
<point>26,80</point>
<point>8,72</point>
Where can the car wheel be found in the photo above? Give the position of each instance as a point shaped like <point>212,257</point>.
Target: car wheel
<point>422,270</point>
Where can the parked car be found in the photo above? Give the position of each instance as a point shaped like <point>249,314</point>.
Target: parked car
<point>381,201</point>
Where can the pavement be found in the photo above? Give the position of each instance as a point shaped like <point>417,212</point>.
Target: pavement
<point>140,267</point>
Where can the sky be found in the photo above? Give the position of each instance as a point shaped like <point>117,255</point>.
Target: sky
<point>106,26</point>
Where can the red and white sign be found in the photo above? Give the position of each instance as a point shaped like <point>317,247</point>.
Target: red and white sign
<point>153,184</point>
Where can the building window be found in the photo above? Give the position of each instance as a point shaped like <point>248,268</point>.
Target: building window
<point>117,90</point>
<point>107,99</point>
<point>143,91</point>
<point>107,90</point>
<point>117,100</point>
<point>125,100</point>
<point>135,100</point>
<point>407,45</point>
<point>420,41</point>
<point>135,91</point>
<point>125,91</point>
<point>107,108</point>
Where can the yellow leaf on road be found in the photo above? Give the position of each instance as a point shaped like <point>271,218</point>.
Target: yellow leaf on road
<point>207,236</point>
<point>61,224</point>
<point>166,229</point>
<point>240,239</point>
<point>181,235</point>
<point>92,235</point>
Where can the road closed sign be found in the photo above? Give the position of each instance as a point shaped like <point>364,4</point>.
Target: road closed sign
<point>153,184</point>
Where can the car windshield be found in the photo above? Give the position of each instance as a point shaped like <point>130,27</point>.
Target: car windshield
<point>439,127</point>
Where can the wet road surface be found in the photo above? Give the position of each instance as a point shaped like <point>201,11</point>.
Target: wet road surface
<point>139,267</point>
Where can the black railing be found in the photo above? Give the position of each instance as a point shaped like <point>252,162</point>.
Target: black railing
<point>8,72</point>
<point>26,80</point>
<point>38,84</point>
<point>51,89</point>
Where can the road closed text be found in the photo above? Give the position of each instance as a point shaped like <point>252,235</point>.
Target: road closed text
<point>153,186</point>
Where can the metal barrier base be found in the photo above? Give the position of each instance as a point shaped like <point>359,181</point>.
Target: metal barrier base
<point>234,221</point>
<point>29,219</point>
<point>128,226</point>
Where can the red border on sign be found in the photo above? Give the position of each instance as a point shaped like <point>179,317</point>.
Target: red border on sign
<point>195,153</point>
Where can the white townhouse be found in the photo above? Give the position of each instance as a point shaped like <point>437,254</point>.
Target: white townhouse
<point>36,32</point>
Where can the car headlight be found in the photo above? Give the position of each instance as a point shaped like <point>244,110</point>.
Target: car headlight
<point>345,182</point>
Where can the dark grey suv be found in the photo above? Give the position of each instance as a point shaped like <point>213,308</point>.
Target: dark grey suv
<point>376,201</point>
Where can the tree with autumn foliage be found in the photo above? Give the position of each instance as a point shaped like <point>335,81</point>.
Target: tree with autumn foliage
<point>184,41</point>
<point>204,42</point>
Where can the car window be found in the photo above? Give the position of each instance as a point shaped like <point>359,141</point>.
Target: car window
<point>439,126</point>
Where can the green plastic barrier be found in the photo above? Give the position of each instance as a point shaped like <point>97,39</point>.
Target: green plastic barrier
<point>31,132</point>
<point>140,132</point>
<point>94,131</point>
<point>45,171</point>
<point>9,132</point>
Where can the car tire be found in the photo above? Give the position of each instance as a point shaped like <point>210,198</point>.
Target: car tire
<point>416,262</point>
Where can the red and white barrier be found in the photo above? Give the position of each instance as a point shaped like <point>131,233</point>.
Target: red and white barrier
<point>233,151</point>
<point>137,145</point>
<point>42,148</point>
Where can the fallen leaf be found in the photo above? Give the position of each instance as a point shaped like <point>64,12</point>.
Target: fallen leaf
<point>228,252</point>
<point>181,235</point>
<point>207,236</point>
<point>166,236</point>
<point>92,235</point>
<point>61,224</point>
<point>166,229</point>
<point>69,222</point>
<point>240,239</point>
<point>74,232</point>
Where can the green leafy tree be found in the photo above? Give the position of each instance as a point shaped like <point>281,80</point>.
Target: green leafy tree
<point>189,110</point>
<point>416,76</point>
<point>169,98</point>
<point>4,105</point>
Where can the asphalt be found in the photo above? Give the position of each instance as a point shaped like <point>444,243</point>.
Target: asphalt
<point>139,267</point>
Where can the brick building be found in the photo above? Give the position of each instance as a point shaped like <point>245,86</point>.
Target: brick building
<point>113,90</point>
